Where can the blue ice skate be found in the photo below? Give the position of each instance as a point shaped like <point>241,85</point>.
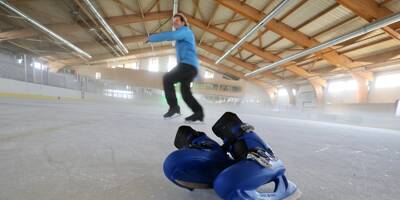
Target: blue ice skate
<point>256,165</point>
<point>197,162</point>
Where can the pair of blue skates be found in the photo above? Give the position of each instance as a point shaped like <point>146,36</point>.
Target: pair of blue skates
<point>235,170</point>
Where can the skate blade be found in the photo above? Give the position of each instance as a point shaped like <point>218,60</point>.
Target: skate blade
<point>172,117</point>
<point>295,196</point>
<point>194,185</point>
<point>194,122</point>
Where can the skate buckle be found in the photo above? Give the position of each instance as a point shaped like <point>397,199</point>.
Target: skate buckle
<point>262,157</point>
<point>247,127</point>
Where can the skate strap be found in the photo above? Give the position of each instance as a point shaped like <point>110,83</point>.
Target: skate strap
<point>244,128</point>
<point>202,145</point>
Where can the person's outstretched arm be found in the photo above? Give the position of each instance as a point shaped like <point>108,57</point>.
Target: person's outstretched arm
<point>168,36</point>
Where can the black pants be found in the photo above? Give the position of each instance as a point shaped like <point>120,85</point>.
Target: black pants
<point>183,73</point>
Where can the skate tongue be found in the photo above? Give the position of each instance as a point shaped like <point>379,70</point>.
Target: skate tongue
<point>228,126</point>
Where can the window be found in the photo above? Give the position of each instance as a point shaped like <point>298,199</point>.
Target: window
<point>98,75</point>
<point>124,94</point>
<point>386,81</point>
<point>153,65</point>
<point>208,74</point>
<point>117,66</point>
<point>37,65</point>
<point>282,92</point>
<point>171,62</point>
<point>341,86</point>
<point>132,65</point>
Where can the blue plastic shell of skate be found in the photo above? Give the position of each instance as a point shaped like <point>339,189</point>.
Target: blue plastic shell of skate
<point>232,180</point>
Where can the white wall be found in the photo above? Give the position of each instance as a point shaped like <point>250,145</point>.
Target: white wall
<point>384,95</point>
<point>253,92</point>
<point>375,95</point>
<point>10,87</point>
<point>305,96</point>
<point>282,100</point>
<point>340,97</point>
<point>20,87</point>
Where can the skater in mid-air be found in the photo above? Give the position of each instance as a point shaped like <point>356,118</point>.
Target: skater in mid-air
<point>184,72</point>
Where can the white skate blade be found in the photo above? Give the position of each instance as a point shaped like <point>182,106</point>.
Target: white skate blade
<point>295,196</point>
<point>194,122</point>
<point>172,117</point>
<point>194,185</point>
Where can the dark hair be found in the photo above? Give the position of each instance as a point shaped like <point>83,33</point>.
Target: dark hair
<point>182,18</point>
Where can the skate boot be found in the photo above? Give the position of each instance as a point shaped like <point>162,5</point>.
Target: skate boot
<point>197,162</point>
<point>196,117</point>
<point>256,158</point>
<point>172,113</point>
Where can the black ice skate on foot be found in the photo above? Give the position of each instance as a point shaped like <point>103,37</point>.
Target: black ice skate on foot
<point>197,117</point>
<point>172,113</point>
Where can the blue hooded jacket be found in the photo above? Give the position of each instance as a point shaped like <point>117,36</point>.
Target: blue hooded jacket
<point>185,44</point>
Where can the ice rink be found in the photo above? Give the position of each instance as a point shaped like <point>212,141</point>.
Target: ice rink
<point>115,150</point>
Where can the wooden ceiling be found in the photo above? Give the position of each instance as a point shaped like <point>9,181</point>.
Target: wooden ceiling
<point>218,24</point>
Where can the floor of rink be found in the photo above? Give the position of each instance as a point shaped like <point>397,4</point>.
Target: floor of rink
<point>115,150</point>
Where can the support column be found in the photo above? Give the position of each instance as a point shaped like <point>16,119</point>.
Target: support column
<point>318,85</point>
<point>272,93</point>
<point>291,95</point>
<point>362,78</point>
<point>25,69</point>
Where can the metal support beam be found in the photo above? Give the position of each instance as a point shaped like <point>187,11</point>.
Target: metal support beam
<point>259,25</point>
<point>92,7</point>
<point>287,32</point>
<point>366,29</point>
<point>174,10</point>
<point>249,47</point>
<point>49,32</point>
<point>370,10</point>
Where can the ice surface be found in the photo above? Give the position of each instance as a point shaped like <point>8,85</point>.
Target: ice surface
<point>115,150</point>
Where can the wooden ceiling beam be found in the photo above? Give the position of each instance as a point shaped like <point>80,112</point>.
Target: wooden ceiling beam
<point>196,6</point>
<point>371,11</point>
<point>249,47</point>
<point>132,53</point>
<point>313,36</point>
<point>293,9</point>
<point>16,34</point>
<point>67,28</point>
<point>124,6</point>
<point>30,32</point>
<point>220,67</point>
<point>130,19</point>
<point>152,6</point>
<point>327,10</point>
<point>287,32</point>
<point>237,61</point>
<point>209,23</point>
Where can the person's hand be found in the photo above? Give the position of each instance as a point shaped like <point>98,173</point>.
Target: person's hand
<point>146,40</point>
